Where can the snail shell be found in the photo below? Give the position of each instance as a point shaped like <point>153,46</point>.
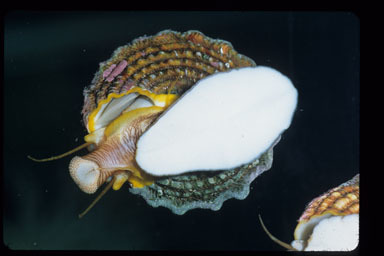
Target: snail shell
<point>336,209</point>
<point>157,70</point>
<point>157,63</point>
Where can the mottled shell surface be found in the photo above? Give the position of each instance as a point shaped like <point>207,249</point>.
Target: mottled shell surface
<point>171,62</point>
<point>202,189</point>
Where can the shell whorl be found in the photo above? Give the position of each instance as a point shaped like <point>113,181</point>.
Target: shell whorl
<point>342,200</point>
<point>166,61</point>
<point>330,221</point>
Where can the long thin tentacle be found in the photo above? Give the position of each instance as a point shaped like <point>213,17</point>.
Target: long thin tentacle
<point>98,197</point>
<point>281,243</point>
<point>62,155</point>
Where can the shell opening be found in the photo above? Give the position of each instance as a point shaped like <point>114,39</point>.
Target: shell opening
<point>85,173</point>
<point>305,228</point>
<point>116,104</point>
<point>108,111</point>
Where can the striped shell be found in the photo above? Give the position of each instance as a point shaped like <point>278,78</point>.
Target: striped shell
<point>168,60</point>
<point>342,200</point>
<point>329,222</point>
<point>171,62</point>
<point>339,201</point>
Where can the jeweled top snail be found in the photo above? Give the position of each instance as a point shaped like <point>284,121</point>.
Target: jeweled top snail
<point>330,222</point>
<point>184,137</point>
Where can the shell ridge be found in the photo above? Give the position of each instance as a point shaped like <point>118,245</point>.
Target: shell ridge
<point>172,62</point>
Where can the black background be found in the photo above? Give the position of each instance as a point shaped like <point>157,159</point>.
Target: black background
<point>49,57</point>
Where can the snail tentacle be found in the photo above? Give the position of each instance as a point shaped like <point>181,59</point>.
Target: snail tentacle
<point>98,197</point>
<point>276,240</point>
<point>62,155</point>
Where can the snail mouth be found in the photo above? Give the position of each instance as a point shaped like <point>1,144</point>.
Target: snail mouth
<point>114,127</point>
<point>115,152</point>
<point>85,173</point>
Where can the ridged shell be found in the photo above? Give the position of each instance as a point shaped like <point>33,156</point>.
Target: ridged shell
<point>342,200</point>
<point>168,60</point>
<point>171,62</point>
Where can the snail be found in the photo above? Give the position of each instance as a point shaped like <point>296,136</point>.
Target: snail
<point>330,222</point>
<point>184,119</point>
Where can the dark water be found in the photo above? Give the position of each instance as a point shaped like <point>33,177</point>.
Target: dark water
<point>51,57</point>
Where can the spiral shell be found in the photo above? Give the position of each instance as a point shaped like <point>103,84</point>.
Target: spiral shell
<point>341,201</point>
<point>160,62</point>
<point>171,62</point>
